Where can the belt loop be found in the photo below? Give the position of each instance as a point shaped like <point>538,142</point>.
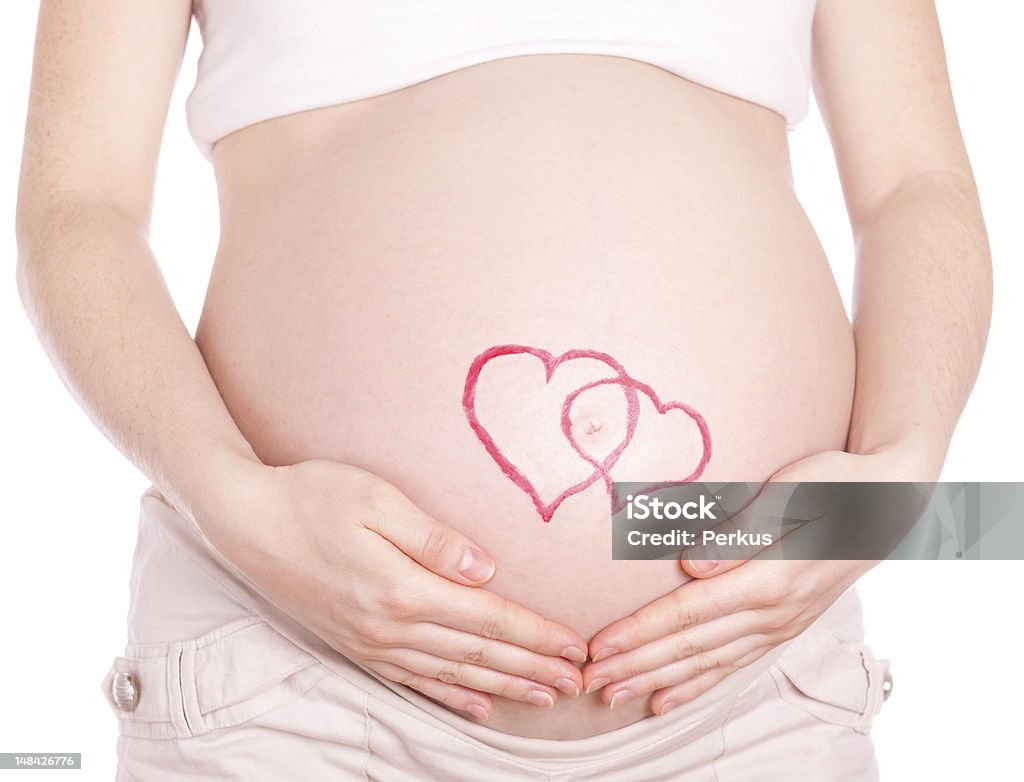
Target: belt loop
<point>188,714</point>
<point>879,687</point>
<point>174,700</point>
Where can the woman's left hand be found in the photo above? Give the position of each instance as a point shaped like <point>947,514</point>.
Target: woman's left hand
<point>684,643</point>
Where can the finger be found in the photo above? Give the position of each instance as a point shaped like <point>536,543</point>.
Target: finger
<point>664,700</point>
<point>683,608</point>
<point>725,658</point>
<point>488,615</point>
<point>434,545</point>
<point>669,649</point>
<point>477,704</point>
<point>475,677</point>
<point>463,647</point>
<point>742,535</point>
<point>705,563</point>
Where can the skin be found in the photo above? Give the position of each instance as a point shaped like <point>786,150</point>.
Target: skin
<point>93,289</point>
<point>922,305</point>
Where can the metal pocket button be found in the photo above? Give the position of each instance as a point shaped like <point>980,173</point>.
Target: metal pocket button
<point>124,689</point>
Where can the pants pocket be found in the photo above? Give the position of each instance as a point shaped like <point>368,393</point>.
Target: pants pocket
<point>223,678</point>
<point>838,681</point>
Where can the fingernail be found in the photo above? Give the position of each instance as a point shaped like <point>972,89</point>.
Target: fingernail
<point>619,698</point>
<point>608,651</point>
<point>475,565</point>
<point>568,686</point>
<point>540,698</point>
<point>478,711</point>
<point>705,559</point>
<point>597,684</point>
<point>667,707</point>
<point>575,654</point>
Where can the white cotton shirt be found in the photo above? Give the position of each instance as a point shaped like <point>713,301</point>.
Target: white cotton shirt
<point>267,58</point>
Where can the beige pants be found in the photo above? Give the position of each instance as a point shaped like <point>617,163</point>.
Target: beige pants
<point>229,687</point>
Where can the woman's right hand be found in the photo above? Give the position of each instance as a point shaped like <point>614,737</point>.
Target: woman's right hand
<point>355,561</point>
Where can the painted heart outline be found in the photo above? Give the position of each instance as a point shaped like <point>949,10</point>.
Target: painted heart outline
<point>551,363</point>
<point>663,408</point>
<point>631,387</point>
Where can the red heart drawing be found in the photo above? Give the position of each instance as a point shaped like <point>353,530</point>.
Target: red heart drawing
<point>663,408</point>
<point>551,363</point>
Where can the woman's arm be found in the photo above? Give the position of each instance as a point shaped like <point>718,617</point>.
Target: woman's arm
<point>101,83</point>
<point>923,283</point>
<point>339,547</point>
<point>922,302</point>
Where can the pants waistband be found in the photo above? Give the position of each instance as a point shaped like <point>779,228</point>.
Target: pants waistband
<point>165,717</point>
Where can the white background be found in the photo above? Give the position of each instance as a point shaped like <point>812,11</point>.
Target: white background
<point>70,501</point>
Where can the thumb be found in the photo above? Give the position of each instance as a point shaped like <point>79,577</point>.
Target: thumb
<point>704,562</point>
<point>741,536</point>
<point>434,545</point>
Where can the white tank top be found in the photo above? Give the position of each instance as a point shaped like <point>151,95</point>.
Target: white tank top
<point>267,58</point>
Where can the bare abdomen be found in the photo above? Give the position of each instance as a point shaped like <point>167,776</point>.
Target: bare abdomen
<point>372,251</point>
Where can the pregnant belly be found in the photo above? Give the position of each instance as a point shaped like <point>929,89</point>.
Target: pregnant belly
<point>557,204</point>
